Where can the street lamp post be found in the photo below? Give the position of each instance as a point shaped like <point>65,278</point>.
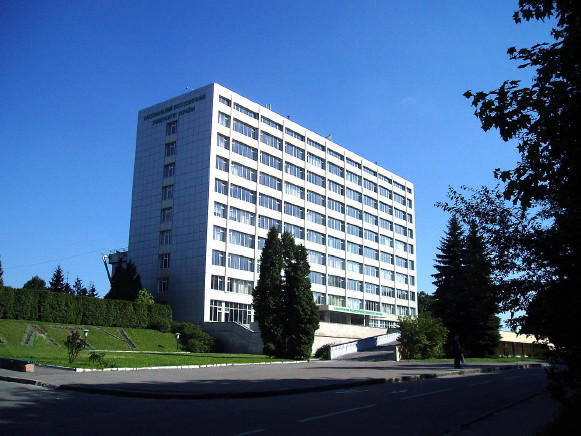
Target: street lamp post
<point>86,333</point>
<point>177,340</point>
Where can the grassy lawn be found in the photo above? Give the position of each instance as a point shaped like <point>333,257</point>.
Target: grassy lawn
<point>43,343</point>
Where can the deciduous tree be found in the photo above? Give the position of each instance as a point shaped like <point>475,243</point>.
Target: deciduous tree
<point>35,283</point>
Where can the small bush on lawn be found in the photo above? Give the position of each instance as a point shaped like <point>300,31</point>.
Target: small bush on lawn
<point>193,339</point>
<point>323,352</point>
<point>74,344</point>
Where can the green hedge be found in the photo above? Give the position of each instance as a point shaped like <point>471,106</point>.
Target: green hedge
<point>28,304</point>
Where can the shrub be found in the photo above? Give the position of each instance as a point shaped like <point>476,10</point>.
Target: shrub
<point>193,339</point>
<point>75,345</point>
<point>323,352</point>
<point>422,337</point>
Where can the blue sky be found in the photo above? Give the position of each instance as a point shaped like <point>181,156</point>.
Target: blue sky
<point>385,78</point>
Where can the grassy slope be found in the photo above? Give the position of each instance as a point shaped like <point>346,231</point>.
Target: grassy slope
<point>14,334</point>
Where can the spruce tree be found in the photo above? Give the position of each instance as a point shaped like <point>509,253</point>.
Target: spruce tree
<point>92,292</point>
<point>79,289</point>
<point>125,283</point>
<point>465,296</point>
<point>301,312</point>
<point>57,283</point>
<point>268,293</point>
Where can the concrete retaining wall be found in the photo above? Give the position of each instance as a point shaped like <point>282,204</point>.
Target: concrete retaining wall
<point>362,344</point>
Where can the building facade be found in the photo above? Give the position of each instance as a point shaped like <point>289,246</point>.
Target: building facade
<point>214,171</point>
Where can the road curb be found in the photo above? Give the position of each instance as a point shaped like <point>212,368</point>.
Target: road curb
<point>91,389</point>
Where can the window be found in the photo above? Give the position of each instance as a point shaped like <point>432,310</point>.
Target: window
<point>399,185</point>
<point>219,234</point>
<point>354,248</point>
<point>368,184</point>
<point>294,134</point>
<point>336,282</point>
<point>354,212</point>
<point>387,275</point>
<point>169,170</point>
<point>317,278</point>
<point>401,278</point>
<point>385,208</point>
<point>242,239</point>
<point>294,210</point>
<point>399,198</point>
<point>386,224</point>
<point>410,204</point>
<point>354,230</point>
<point>265,222</point>
<point>217,282</point>
<point>294,190</point>
<point>315,179</point>
<point>387,257</point>
<point>224,119</point>
<point>400,230</point>
<point>371,288</point>
<point>316,198</point>
<point>370,171</point>
<point>295,151</point>
<point>220,209</point>
<point>370,236</point>
<point>270,202</point>
<point>371,253</point>
<point>164,261</point>
<point>372,305</point>
<point>271,161</point>
<point>317,237</point>
<point>170,149</point>
<point>401,262</point>
<point>239,286</point>
<point>335,205</point>
<point>171,128</point>
<point>166,215</point>
<point>243,194</point>
<point>319,298</point>
<point>227,102</point>
<point>315,144</point>
<point>273,141</point>
<point>223,142</point>
<point>354,303</point>
<point>386,291</point>
<point>353,178</point>
<point>271,123</point>
<point>221,163</point>
<point>165,237</point>
<point>336,224</point>
<point>368,201</point>
<point>353,163</point>
<point>356,267</point>
<point>298,232</point>
<point>244,171</point>
<point>316,257</point>
<point>315,217</point>
<point>354,195</point>
<point>271,181</point>
<point>369,218</point>
<point>355,285</point>
<point>294,170</point>
<point>335,187</point>
<point>245,111</point>
<point>221,187</point>
<point>242,263</point>
<point>334,154</point>
<point>386,240</point>
<point>167,192</point>
<point>244,150</point>
<point>384,178</point>
<point>245,129</point>
<point>242,216</point>
<point>385,192</point>
<point>163,284</point>
<point>337,300</point>
<point>335,262</point>
<point>337,243</point>
<point>316,160</point>
<point>371,271</point>
<point>399,213</point>
<point>334,169</point>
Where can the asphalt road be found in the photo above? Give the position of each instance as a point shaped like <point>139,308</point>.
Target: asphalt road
<point>463,405</point>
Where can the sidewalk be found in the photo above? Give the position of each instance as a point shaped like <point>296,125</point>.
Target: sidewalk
<point>243,381</point>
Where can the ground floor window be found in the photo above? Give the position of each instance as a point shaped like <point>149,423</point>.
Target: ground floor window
<point>227,311</point>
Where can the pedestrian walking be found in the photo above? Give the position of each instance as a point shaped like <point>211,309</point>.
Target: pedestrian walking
<point>457,351</point>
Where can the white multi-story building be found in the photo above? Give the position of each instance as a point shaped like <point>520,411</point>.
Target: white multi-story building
<point>214,171</point>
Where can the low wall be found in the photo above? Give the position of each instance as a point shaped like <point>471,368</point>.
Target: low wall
<point>234,337</point>
<point>362,345</point>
